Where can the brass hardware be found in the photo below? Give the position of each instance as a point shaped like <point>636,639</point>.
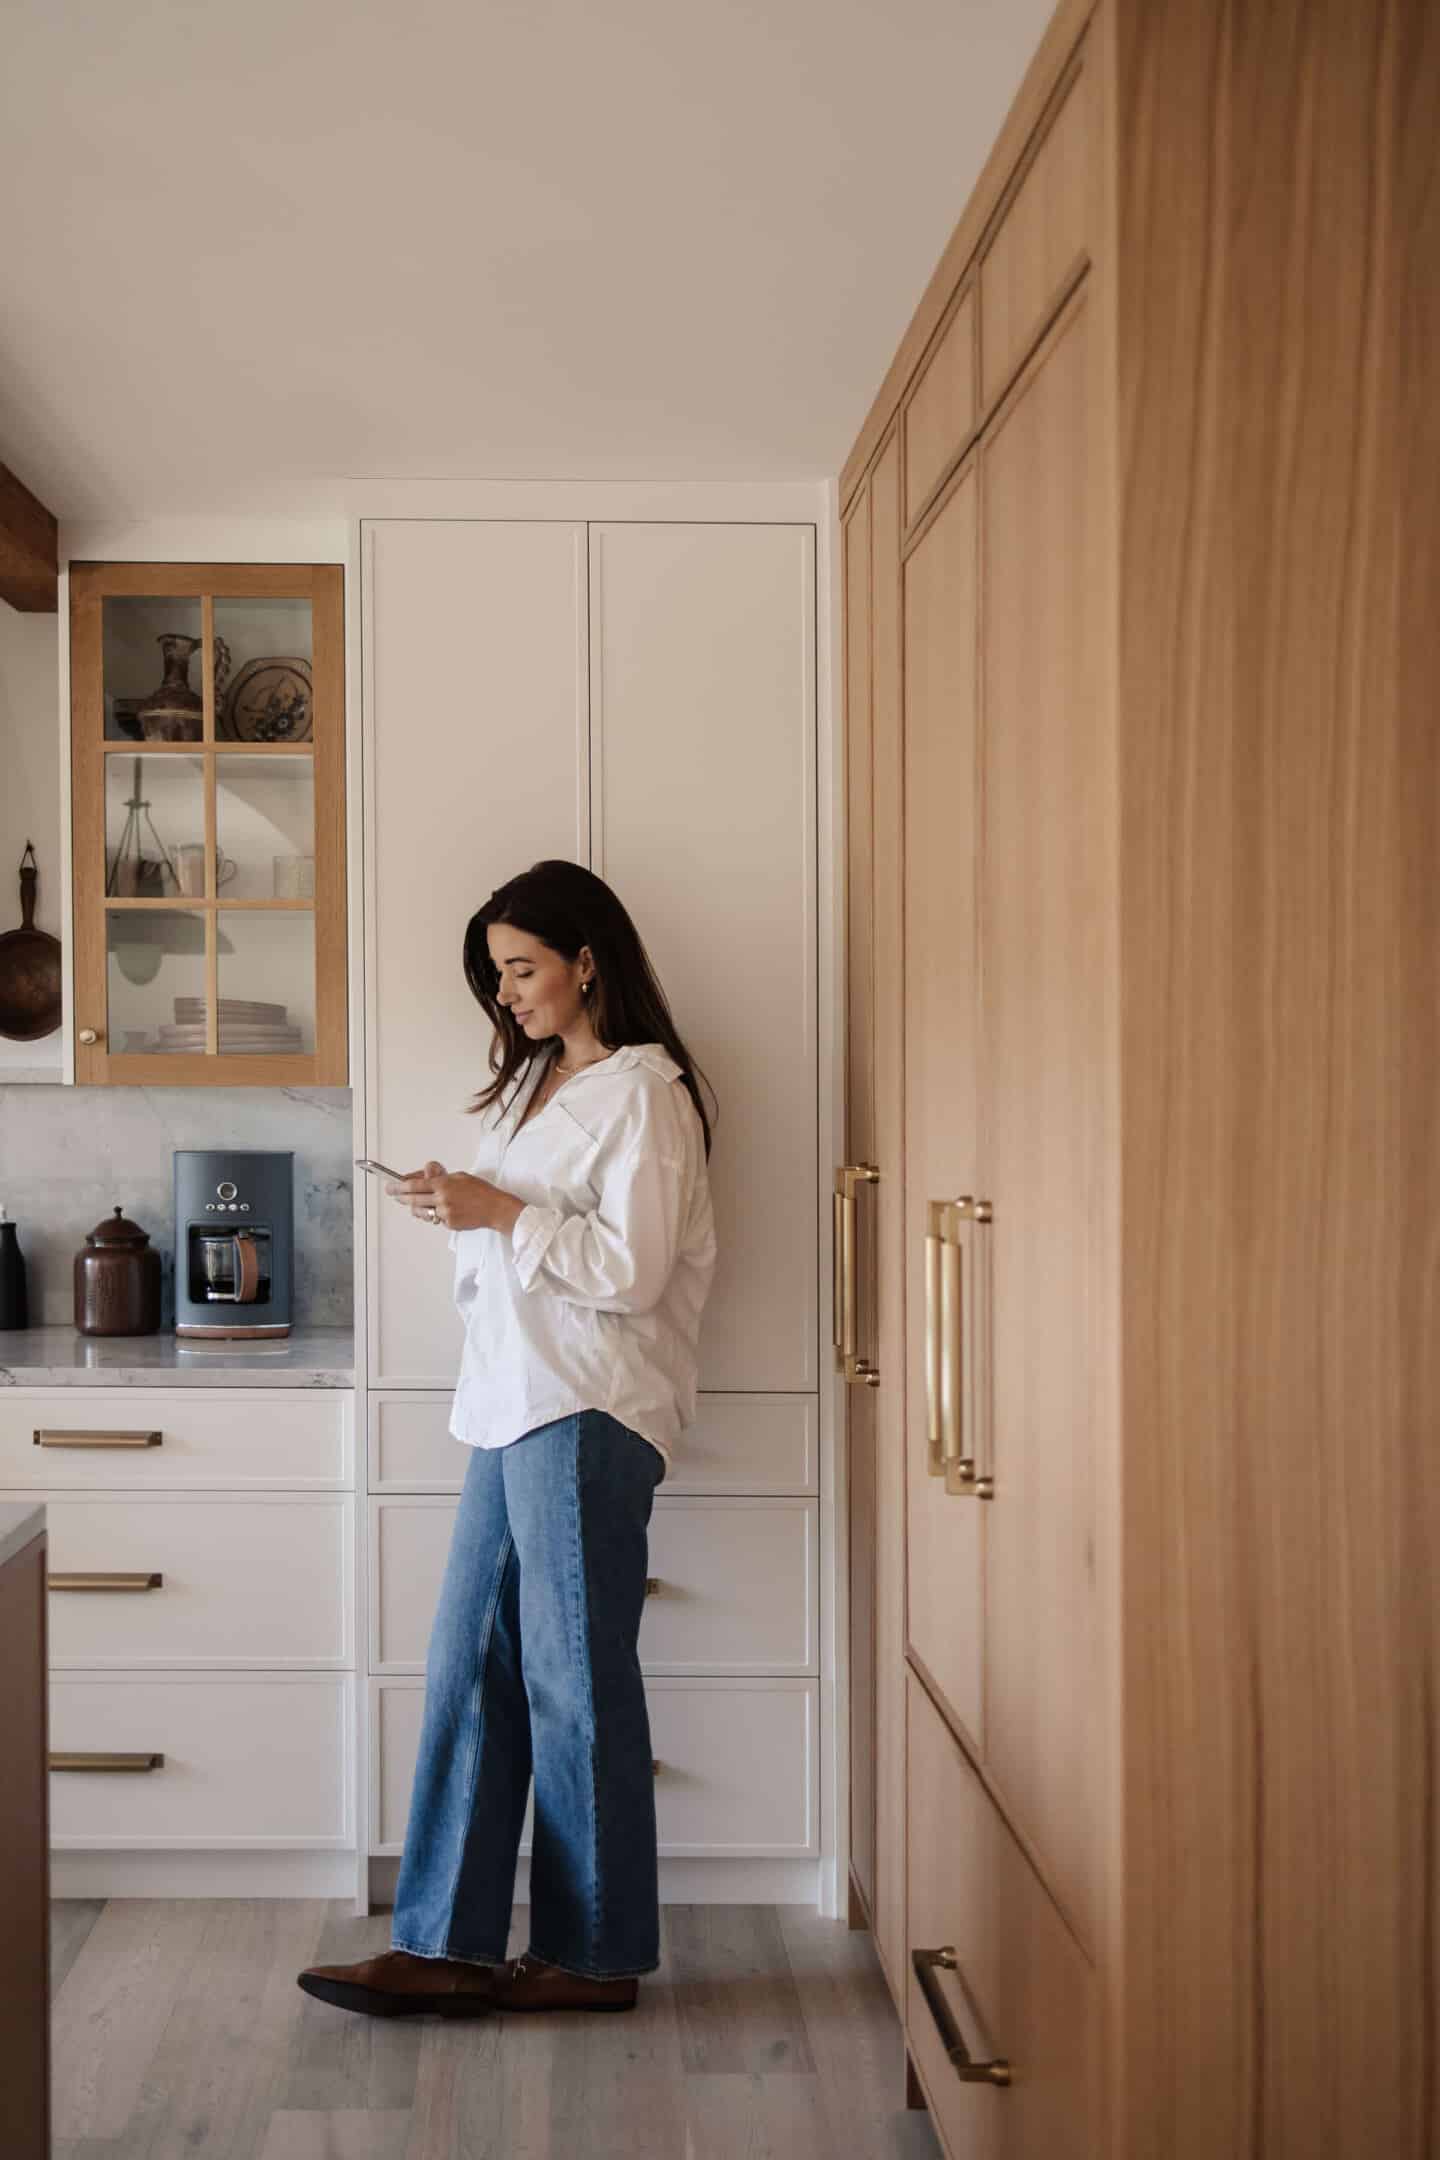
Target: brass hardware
<point>107,1762</point>
<point>995,2071</point>
<point>656,1766</point>
<point>652,1585</point>
<point>964,1478</point>
<point>97,1439</point>
<point>88,1036</point>
<point>946,1348</point>
<point>104,1582</point>
<point>843,1280</point>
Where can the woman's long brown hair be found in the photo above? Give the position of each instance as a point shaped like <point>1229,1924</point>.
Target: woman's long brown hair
<point>567,907</point>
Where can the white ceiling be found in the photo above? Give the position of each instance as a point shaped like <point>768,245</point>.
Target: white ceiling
<point>249,250</point>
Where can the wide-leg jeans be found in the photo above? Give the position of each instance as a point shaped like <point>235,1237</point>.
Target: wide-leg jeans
<point>533,1661</point>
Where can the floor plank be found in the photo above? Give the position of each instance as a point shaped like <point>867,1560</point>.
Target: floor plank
<point>735,1998</point>
<point>766,2035</point>
<point>71,1920</point>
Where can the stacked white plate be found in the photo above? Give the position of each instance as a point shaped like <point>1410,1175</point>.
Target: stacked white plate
<point>246,1025</point>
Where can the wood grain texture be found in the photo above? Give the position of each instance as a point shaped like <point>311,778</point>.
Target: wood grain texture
<point>1044,234</point>
<point>29,549</point>
<point>887,819</point>
<point>938,419</point>
<point>1279,228</point>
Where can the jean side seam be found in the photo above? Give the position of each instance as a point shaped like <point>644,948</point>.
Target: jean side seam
<point>487,1637</point>
<point>592,1736</point>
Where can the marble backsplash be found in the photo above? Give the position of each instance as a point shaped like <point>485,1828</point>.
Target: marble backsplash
<point>68,1156</point>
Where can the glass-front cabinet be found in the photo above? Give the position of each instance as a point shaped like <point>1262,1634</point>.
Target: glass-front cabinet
<point>208,822</point>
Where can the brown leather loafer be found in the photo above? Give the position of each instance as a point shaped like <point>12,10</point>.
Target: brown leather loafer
<point>527,1983</point>
<point>398,1984</point>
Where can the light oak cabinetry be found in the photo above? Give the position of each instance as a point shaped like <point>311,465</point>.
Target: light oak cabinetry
<point>208,823</point>
<point>1148,1365</point>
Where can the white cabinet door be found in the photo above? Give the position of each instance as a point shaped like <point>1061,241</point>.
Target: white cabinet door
<point>477,765</point>
<point>703,755</point>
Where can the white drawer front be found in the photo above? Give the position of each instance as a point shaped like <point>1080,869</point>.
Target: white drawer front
<point>735,1584</point>
<point>244,1582</point>
<point>738,1444</point>
<point>737,1776</point>
<point>248,1762</point>
<point>254,1436</point>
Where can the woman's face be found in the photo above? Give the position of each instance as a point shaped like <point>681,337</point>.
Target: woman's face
<point>538,985</point>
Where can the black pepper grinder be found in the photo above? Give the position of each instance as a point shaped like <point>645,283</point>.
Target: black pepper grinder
<point>14,1303</point>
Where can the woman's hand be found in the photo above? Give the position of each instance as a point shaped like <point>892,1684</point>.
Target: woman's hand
<point>454,1200</point>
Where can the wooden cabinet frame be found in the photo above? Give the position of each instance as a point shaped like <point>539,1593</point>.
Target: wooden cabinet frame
<point>322,585</point>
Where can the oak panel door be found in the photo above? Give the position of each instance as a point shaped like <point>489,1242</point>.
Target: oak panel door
<point>860,1148</point>
<point>945,1532</point>
<point>1044,888</point>
<point>702,691</point>
<point>477,737</point>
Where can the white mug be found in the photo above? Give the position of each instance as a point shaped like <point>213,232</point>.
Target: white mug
<point>190,869</point>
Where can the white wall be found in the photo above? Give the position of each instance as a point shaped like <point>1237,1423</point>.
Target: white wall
<point>30,794</point>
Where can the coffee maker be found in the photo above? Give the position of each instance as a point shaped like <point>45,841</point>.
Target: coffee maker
<point>234,1240</point>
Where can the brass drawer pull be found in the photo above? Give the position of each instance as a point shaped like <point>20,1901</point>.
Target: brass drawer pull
<point>104,1761</point>
<point>151,1581</point>
<point>843,1332</point>
<point>970,2072</point>
<point>97,1439</point>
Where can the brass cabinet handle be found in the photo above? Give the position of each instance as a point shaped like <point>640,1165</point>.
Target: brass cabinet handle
<point>995,2071</point>
<point>957,1346</point>
<point>946,1349</point>
<point>104,1761</point>
<point>656,1766</point>
<point>847,1177</point>
<point>142,1581</point>
<point>652,1585</point>
<point>97,1439</point>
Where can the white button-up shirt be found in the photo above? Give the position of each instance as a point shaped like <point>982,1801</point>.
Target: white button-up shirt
<point>594,1300</point>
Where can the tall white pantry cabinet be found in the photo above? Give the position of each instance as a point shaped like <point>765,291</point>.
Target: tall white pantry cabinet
<point>639,697</point>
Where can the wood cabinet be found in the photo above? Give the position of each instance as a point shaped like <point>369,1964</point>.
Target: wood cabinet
<point>1152,1358</point>
<point>207,777</point>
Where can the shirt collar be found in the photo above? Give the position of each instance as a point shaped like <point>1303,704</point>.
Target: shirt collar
<point>651,1054</point>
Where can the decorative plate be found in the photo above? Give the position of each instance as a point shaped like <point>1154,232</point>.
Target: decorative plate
<point>270,701</point>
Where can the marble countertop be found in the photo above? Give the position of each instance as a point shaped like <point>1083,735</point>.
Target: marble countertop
<point>59,1357</point>
<point>18,1525</point>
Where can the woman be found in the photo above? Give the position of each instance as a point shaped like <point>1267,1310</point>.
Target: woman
<point>584,1251</point>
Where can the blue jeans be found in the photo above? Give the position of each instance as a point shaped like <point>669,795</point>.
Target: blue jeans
<point>533,1659</point>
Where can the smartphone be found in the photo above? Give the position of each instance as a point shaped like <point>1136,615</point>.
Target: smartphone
<point>377,1169</point>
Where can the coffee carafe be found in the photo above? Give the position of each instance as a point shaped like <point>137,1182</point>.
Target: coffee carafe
<point>234,1235</point>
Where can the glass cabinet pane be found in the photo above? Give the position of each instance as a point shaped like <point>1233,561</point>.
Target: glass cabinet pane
<point>267,982</point>
<point>154,827</point>
<point>151,670</point>
<point>265,827</point>
<point>263,683</point>
<point>155,975</point>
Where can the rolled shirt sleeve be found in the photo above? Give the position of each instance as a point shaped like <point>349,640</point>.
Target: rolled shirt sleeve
<point>618,1256</point>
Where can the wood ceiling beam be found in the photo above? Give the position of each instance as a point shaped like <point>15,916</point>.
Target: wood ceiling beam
<point>29,549</point>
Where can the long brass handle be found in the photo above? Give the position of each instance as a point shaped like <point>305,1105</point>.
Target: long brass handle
<point>982,1482</point>
<point>107,1762</point>
<point>946,1351</point>
<point>846,1179</point>
<point>994,2071</point>
<point>97,1439</point>
<point>143,1581</point>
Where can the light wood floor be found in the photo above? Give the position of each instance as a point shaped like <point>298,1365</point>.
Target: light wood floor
<point>767,2034</point>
